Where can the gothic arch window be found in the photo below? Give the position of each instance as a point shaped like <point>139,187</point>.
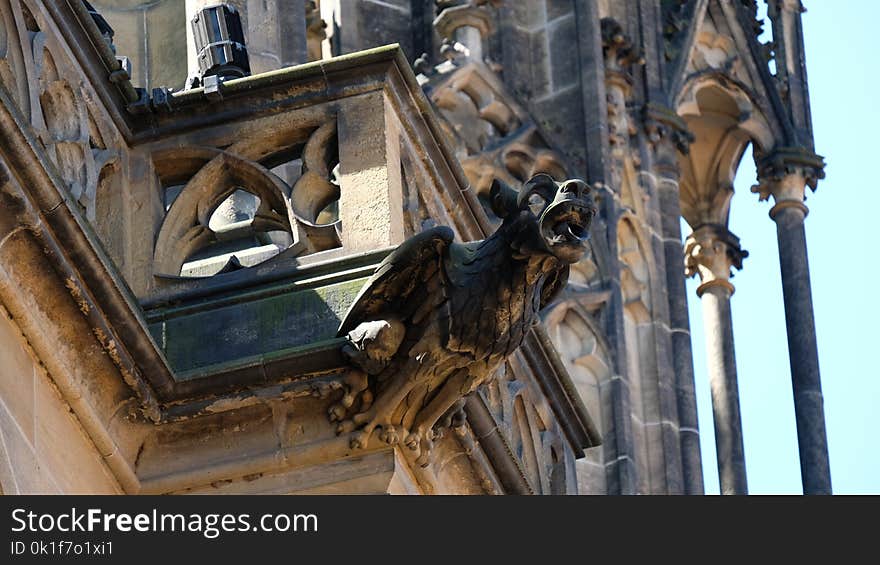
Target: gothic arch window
<point>724,117</point>
<point>586,358</point>
<point>239,206</point>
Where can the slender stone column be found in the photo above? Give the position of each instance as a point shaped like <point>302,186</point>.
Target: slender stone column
<point>711,251</point>
<point>670,137</point>
<point>785,174</point>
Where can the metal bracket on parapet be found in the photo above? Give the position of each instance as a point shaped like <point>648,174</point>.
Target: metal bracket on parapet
<point>141,105</point>
<point>161,100</point>
<point>213,88</point>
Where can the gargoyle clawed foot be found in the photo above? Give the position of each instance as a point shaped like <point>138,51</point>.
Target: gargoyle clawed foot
<point>454,418</point>
<point>365,422</point>
<point>389,435</point>
<point>355,390</point>
<point>423,441</point>
<point>356,421</point>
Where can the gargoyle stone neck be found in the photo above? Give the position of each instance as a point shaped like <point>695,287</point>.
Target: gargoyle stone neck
<point>525,243</point>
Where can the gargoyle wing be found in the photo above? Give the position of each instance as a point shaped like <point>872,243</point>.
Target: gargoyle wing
<point>553,286</point>
<point>414,269</point>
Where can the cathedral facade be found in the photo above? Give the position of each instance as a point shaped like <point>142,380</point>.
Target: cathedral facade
<point>194,196</point>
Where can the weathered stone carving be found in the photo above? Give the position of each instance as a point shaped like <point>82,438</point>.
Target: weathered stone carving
<point>617,48</point>
<point>493,136</point>
<point>711,252</point>
<point>785,173</point>
<point>619,54</point>
<point>438,318</point>
<point>47,91</point>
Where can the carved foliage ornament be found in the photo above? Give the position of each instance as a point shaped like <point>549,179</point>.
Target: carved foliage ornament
<point>438,318</point>
<point>786,171</point>
<point>711,252</point>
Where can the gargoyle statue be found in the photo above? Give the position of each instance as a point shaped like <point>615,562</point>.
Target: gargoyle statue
<point>437,318</point>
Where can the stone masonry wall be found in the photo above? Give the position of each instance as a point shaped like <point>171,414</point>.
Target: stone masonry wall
<point>152,34</point>
<point>43,449</point>
<point>539,53</point>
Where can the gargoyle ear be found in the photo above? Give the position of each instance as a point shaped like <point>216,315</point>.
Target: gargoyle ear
<point>503,198</point>
<point>542,184</point>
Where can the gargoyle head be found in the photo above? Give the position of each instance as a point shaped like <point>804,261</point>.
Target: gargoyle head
<point>558,213</point>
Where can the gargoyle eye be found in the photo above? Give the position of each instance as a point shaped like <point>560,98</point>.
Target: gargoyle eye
<point>537,203</point>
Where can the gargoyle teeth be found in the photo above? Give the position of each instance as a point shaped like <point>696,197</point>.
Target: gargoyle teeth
<point>577,232</point>
<point>567,231</point>
<point>560,228</point>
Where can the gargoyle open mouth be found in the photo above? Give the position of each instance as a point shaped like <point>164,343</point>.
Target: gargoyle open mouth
<point>567,223</point>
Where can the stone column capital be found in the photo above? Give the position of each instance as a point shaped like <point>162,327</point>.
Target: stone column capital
<point>785,173</point>
<point>464,26</point>
<point>711,252</point>
<point>455,14</point>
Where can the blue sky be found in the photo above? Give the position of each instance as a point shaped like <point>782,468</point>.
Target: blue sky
<point>841,44</point>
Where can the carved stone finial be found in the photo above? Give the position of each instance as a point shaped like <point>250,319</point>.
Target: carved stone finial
<point>463,27</point>
<point>619,54</point>
<point>438,318</point>
<point>785,173</point>
<point>467,23</point>
<point>617,48</point>
<point>712,252</point>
